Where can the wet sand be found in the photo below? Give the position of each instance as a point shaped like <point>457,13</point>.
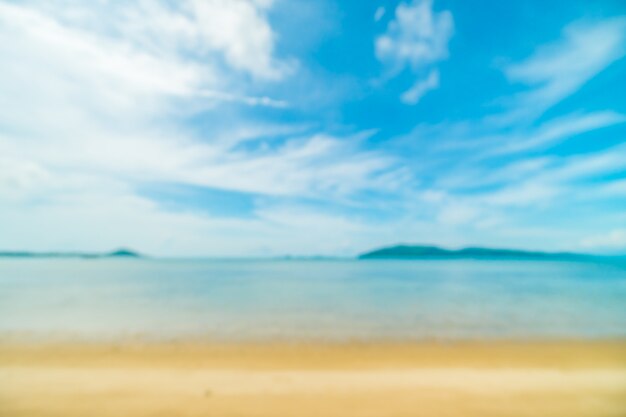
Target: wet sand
<point>377,379</point>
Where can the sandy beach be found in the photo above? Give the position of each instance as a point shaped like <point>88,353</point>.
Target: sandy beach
<point>375,379</point>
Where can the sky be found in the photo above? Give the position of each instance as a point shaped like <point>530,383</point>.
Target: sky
<point>312,127</point>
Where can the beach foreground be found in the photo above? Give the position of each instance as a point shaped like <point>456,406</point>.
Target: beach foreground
<point>425,379</point>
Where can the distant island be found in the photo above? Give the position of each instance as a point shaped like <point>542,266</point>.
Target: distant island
<point>120,253</point>
<point>402,251</point>
<point>435,252</point>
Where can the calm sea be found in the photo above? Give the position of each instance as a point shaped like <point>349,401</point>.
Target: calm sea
<point>364,300</point>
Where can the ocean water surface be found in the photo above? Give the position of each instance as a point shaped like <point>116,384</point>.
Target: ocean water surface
<point>304,300</point>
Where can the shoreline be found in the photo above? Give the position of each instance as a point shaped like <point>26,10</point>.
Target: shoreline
<point>572,353</point>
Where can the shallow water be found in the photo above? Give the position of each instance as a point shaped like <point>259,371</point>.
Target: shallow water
<point>343,299</point>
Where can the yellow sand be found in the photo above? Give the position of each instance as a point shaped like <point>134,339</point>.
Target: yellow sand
<point>429,379</point>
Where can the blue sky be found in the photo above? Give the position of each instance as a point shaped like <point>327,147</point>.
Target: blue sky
<point>260,128</point>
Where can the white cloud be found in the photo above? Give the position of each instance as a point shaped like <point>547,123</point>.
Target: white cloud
<point>559,69</point>
<point>106,100</point>
<point>93,95</point>
<point>456,214</point>
<point>613,240</point>
<point>550,133</point>
<point>523,194</point>
<point>108,218</point>
<point>478,186</point>
<point>306,166</point>
<point>611,189</point>
<point>590,165</point>
<point>380,12</point>
<point>503,176</point>
<point>108,95</point>
<point>108,84</point>
<point>239,29</point>
<point>534,182</point>
<point>417,38</point>
<point>487,157</point>
<point>235,30</point>
<point>420,88</point>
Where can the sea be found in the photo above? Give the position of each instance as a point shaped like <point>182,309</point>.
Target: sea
<point>304,300</point>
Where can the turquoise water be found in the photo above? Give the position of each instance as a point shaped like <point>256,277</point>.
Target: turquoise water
<point>364,300</point>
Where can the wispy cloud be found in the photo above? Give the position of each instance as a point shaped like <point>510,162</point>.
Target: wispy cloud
<point>110,105</point>
<point>613,240</point>
<point>557,130</point>
<point>559,69</point>
<point>380,12</point>
<point>97,99</point>
<point>421,87</point>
